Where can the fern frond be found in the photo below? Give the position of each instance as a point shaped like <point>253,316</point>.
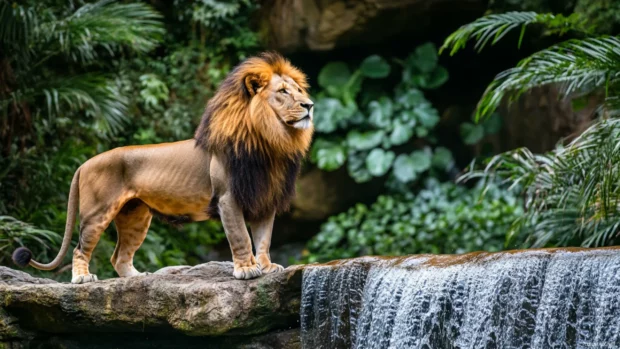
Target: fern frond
<point>17,22</point>
<point>104,24</point>
<point>491,28</point>
<point>574,65</point>
<point>572,193</point>
<point>96,95</point>
<point>17,25</point>
<point>15,233</point>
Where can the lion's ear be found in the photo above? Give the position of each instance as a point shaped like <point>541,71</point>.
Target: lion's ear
<point>253,82</point>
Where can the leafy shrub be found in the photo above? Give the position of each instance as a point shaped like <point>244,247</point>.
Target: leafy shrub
<point>441,218</point>
<point>364,127</point>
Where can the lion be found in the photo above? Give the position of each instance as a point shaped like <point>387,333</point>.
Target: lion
<point>241,166</point>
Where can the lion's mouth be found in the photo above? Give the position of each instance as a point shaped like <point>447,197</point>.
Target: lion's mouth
<point>302,123</point>
<point>293,122</point>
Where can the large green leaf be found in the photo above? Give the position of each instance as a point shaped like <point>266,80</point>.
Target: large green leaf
<point>327,112</point>
<point>493,124</point>
<point>421,132</point>
<point>334,74</point>
<point>410,98</point>
<point>352,88</point>
<point>470,133</point>
<point>404,168</point>
<point>425,57</point>
<point>318,144</point>
<point>442,159</point>
<point>375,67</point>
<point>379,161</point>
<point>356,166</point>
<point>400,134</point>
<point>348,112</point>
<point>380,112</point>
<point>364,140</point>
<point>331,158</point>
<point>427,115</point>
<point>421,160</point>
<point>436,78</point>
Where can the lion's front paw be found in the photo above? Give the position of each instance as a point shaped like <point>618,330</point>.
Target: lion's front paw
<point>245,273</point>
<point>83,279</point>
<point>269,268</point>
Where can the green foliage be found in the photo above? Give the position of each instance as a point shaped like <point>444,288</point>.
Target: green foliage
<point>372,133</point>
<point>604,15</point>
<point>221,25</point>
<point>473,133</point>
<point>65,99</point>
<point>442,218</point>
<point>492,28</point>
<point>34,37</point>
<point>14,234</point>
<point>576,66</point>
<point>571,193</point>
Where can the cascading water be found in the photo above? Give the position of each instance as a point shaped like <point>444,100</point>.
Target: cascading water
<point>567,298</point>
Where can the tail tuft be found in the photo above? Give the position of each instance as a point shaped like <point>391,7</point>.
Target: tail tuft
<point>22,257</point>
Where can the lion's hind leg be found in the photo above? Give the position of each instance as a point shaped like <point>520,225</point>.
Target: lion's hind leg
<point>132,224</point>
<point>91,227</point>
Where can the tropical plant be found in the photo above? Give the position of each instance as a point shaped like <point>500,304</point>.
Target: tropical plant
<point>573,191</point>
<point>204,41</point>
<point>33,37</point>
<point>369,129</point>
<point>55,91</point>
<point>14,233</point>
<point>441,218</point>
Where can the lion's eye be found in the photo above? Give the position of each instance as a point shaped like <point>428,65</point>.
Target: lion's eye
<point>299,90</point>
<point>283,90</point>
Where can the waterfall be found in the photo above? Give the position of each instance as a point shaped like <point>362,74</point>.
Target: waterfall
<point>554,298</point>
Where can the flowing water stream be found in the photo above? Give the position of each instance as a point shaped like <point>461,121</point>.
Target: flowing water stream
<point>521,299</point>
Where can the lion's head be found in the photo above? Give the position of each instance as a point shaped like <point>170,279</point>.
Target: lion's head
<point>260,121</point>
<point>262,105</point>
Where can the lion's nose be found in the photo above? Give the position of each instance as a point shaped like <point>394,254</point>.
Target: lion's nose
<point>307,106</point>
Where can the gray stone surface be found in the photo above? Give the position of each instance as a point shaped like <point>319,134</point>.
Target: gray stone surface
<point>204,300</point>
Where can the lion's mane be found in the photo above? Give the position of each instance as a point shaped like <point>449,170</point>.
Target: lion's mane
<point>262,155</point>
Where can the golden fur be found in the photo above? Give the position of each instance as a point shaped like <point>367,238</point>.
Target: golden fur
<point>241,167</point>
<point>234,116</point>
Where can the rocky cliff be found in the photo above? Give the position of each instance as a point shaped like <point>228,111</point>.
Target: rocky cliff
<point>170,306</point>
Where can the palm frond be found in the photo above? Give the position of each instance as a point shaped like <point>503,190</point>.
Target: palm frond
<point>572,193</point>
<point>611,106</point>
<point>104,24</point>
<point>575,66</point>
<point>492,28</point>
<point>18,22</point>
<point>15,233</point>
<point>97,95</point>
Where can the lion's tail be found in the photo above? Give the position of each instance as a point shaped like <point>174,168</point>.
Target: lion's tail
<point>23,256</point>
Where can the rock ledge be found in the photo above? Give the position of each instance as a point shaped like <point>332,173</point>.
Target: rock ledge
<point>204,300</point>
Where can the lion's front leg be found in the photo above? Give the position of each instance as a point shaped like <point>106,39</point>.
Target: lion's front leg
<point>238,238</point>
<point>261,232</point>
